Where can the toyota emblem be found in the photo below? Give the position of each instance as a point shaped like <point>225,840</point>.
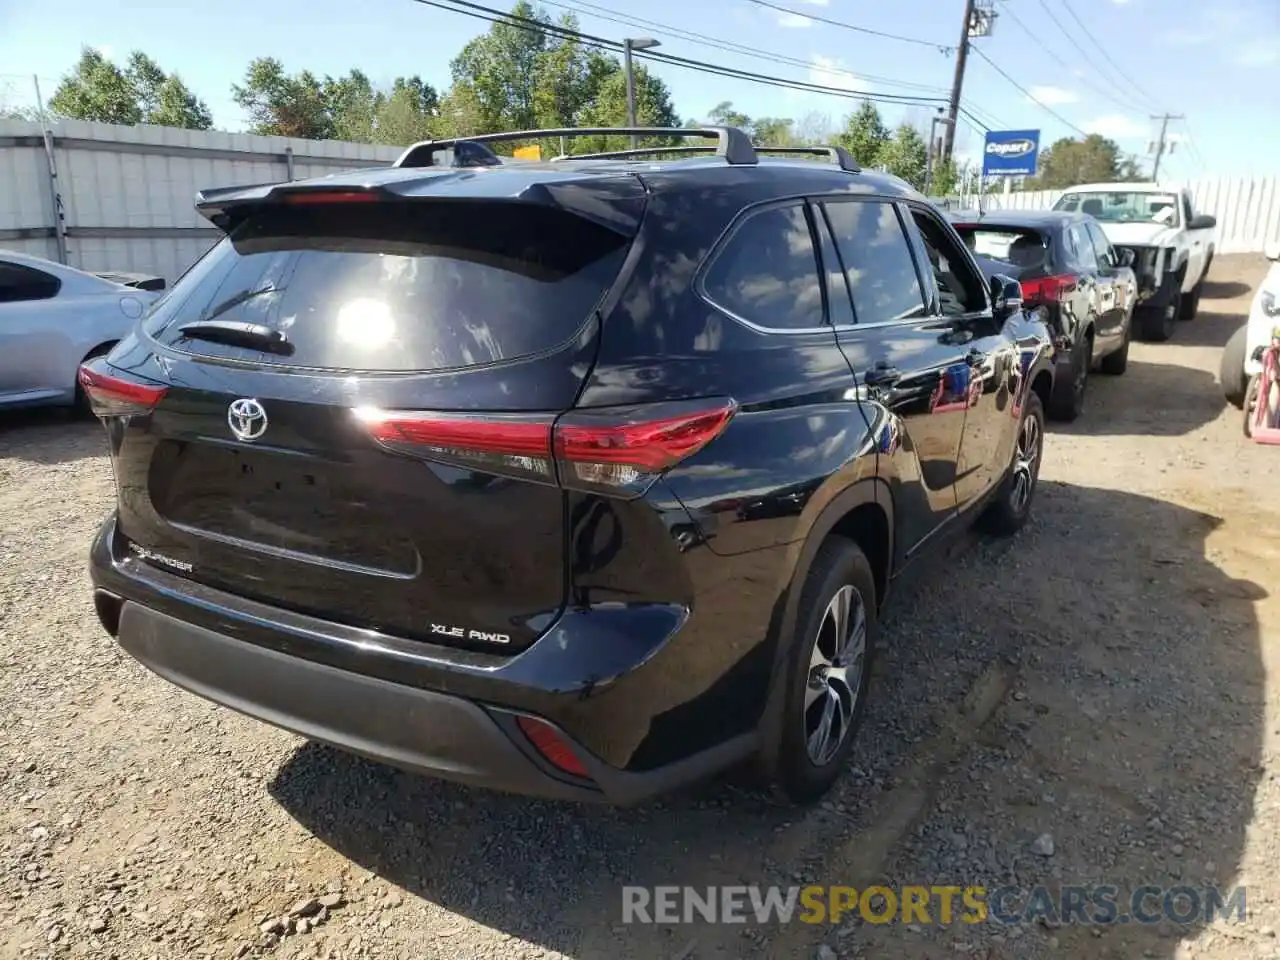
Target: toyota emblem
<point>247,419</point>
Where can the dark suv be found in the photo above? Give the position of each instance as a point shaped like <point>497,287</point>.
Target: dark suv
<point>581,479</point>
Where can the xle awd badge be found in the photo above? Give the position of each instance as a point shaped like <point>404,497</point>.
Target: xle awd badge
<point>247,419</point>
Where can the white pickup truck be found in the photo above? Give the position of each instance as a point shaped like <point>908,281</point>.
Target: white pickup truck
<point>1172,246</point>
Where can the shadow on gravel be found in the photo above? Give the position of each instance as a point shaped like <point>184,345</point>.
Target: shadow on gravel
<point>49,435</point>
<point>1210,328</point>
<point>1224,289</point>
<point>1150,399</point>
<point>1096,678</point>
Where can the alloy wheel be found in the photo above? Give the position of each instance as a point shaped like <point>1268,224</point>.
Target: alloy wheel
<point>1024,463</point>
<point>836,668</point>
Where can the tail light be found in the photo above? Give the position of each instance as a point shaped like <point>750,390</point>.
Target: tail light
<point>1043,289</point>
<point>113,396</point>
<point>548,741</point>
<point>616,450</point>
<point>304,197</point>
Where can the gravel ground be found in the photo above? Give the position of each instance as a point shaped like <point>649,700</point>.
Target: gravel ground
<point>1086,703</point>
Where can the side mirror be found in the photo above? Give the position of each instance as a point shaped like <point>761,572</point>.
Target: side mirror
<point>1272,250</point>
<point>1006,296</point>
<point>1202,221</point>
<point>1126,256</point>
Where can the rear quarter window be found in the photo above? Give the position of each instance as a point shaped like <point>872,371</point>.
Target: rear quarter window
<point>399,286</point>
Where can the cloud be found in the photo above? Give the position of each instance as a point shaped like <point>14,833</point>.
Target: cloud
<point>793,21</point>
<point>1261,52</point>
<point>1116,126</point>
<point>1053,96</point>
<point>830,72</point>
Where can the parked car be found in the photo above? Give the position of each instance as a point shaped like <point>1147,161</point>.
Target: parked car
<point>1172,245</point>
<point>472,474</point>
<point>1241,356</point>
<point>52,318</point>
<point>143,281</point>
<point>1083,288</point>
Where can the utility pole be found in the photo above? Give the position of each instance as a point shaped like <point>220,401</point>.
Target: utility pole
<point>957,82</point>
<point>629,44</point>
<point>978,21</point>
<point>1159,146</point>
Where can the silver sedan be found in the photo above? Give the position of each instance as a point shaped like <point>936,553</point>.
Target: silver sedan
<point>52,318</point>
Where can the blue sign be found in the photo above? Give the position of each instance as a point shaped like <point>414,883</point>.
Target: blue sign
<point>1010,153</point>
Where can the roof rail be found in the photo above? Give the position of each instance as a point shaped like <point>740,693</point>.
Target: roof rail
<point>838,155</point>
<point>637,152</point>
<point>732,144</point>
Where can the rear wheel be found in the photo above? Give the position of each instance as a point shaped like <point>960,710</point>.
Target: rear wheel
<point>1250,403</point>
<point>1117,361</point>
<point>1067,404</point>
<point>1012,505</point>
<point>827,674</point>
<point>1190,303</point>
<point>1231,373</point>
<point>1158,322</point>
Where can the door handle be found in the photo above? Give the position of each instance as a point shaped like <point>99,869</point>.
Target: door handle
<point>880,374</point>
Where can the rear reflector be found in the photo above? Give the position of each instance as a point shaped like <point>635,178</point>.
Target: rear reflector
<point>617,450</point>
<point>329,196</point>
<point>547,740</point>
<point>1043,289</point>
<point>112,396</point>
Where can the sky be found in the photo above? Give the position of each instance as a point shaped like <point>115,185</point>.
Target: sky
<point>1217,64</point>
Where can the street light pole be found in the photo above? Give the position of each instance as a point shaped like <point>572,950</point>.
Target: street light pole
<point>629,44</point>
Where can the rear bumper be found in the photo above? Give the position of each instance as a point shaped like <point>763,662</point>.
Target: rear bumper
<point>389,700</point>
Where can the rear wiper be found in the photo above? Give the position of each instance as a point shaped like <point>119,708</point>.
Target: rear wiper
<point>237,333</point>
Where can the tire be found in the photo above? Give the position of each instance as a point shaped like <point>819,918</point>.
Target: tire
<point>1249,401</point>
<point>1067,406</point>
<point>800,772</point>
<point>1010,509</point>
<point>1117,361</point>
<point>1190,303</point>
<point>1231,374</point>
<point>1158,322</point>
<point>82,408</point>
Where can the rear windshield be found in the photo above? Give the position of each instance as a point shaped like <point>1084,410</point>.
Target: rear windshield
<point>1022,248</point>
<point>397,286</point>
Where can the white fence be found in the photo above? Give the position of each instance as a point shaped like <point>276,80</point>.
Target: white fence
<point>1247,208</point>
<point>127,193</point>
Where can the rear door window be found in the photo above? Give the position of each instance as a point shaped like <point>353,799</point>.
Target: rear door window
<point>20,283</point>
<point>767,272</point>
<point>878,264</point>
<point>398,286</point>
<point>1022,248</point>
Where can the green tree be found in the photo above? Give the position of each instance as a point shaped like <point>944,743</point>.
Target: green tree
<point>96,89</point>
<point>1092,159</point>
<point>608,108</point>
<point>282,105</point>
<point>352,105</point>
<point>408,113</point>
<point>502,68</point>
<point>906,155</point>
<point>946,178</point>
<point>864,135</point>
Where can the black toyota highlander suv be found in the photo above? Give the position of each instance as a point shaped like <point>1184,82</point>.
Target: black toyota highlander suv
<point>581,479</point>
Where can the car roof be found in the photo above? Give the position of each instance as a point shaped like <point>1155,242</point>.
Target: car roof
<point>1120,188</point>
<point>1016,218</point>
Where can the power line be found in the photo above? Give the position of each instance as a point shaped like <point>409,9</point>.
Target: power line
<point>941,47</point>
<point>1115,66</point>
<point>996,67</point>
<point>1126,104</point>
<point>615,16</point>
<point>492,15</point>
<point>1082,48</point>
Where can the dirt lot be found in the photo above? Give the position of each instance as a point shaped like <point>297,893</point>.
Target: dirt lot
<point>1104,679</point>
